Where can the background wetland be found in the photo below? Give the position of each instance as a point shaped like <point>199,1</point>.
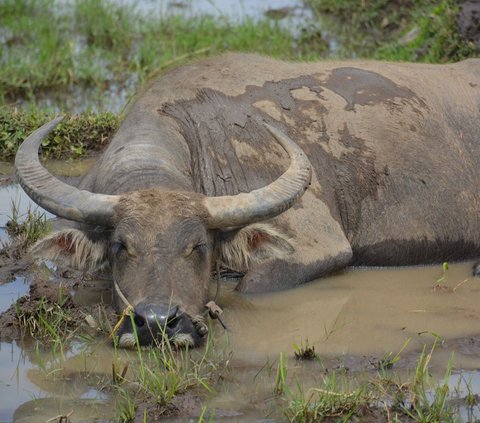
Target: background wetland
<point>361,345</point>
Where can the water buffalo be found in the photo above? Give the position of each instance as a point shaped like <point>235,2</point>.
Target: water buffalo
<point>194,177</point>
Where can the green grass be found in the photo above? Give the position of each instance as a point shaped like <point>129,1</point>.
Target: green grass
<point>25,230</point>
<point>404,30</point>
<point>89,54</point>
<point>73,137</point>
<point>97,43</point>
<point>436,39</point>
<point>47,321</point>
<point>160,373</point>
<point>415,397</point>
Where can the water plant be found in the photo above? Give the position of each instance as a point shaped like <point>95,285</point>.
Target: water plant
<point>304,351</point>
<point>383,396</point>
<point>281,376</point>
<point>160,373</point>
<point>26,228</point>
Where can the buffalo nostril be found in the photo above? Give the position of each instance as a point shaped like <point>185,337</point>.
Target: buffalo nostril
<point>138,320</point>
<point>154,315</point>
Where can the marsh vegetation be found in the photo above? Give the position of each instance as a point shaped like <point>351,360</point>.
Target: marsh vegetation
<point>86,58</point>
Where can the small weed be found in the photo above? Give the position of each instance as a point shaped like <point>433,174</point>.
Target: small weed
<point>26,229</point>
<point>330,401</point>
<point>47,320</point>
<point>161,373</point>
<point>304,352</point>
<point>281,376</point>
<point>427,405</point>
<point>125,404</point>
<point>444,277</point>
<point>389,359</point>
<point>340,398</point>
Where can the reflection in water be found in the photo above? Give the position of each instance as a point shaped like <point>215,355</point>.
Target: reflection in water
<point>14,383</point>
<point>14,194</point>
<point>35,393</point>
<point>12,291</point>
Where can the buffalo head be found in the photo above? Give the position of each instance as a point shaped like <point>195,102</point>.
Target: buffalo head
<point>160,244</point>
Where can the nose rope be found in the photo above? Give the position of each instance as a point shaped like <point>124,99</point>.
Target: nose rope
<point>213,309</point>
<point>126,311</point>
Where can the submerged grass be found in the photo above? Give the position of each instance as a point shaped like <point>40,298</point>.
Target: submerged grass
<point>161,373</point>
<point>385,396</point>
<point>412,396</point>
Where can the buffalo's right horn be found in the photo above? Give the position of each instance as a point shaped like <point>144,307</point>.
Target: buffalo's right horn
<point>54,195</point>
<point>267,202</point>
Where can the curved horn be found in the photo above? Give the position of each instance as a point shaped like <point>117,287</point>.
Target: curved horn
<point>266,202</point>
<point>54,195</point>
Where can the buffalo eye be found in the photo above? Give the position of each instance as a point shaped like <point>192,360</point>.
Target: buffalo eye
<point>117,247</point>
<point>194,248</point>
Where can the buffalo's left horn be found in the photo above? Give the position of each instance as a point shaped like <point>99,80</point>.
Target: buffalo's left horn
<point>54,195</point>
<point>267,202</point>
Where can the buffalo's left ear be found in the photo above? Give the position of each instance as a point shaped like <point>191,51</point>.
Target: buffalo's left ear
<point>75,248</point>
<point>239,250</point>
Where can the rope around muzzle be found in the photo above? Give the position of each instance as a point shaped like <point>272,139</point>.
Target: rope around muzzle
<point>212,308</point>
<point>126,311</point>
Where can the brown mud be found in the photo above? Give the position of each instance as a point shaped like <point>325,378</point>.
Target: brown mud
<point>47,288</point>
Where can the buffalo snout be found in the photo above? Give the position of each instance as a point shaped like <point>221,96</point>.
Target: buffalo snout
<point>149,324</point>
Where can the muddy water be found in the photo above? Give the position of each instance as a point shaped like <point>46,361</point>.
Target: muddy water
<point>352,318</point>
<point>11,193</point>
<point>30,392</point>
<point>361,312</point>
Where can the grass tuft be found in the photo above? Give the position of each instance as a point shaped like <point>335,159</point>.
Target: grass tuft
<point>26,229</point>
<point>161,373</point>
<point>304,351</point>
<point>73,137</point>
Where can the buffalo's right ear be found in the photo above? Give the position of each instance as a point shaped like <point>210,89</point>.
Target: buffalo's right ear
<point>75,248</point>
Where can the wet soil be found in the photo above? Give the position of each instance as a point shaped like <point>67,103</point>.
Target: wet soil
<point>46,289</point>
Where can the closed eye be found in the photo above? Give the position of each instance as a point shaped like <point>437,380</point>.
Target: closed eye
<point>117,247</point>
<point>200,247</point>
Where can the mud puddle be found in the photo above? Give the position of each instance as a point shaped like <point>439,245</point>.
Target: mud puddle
<point>12,291</point>
<point>361,312</point>
<point>353,319</point>
<point>30,394</point>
